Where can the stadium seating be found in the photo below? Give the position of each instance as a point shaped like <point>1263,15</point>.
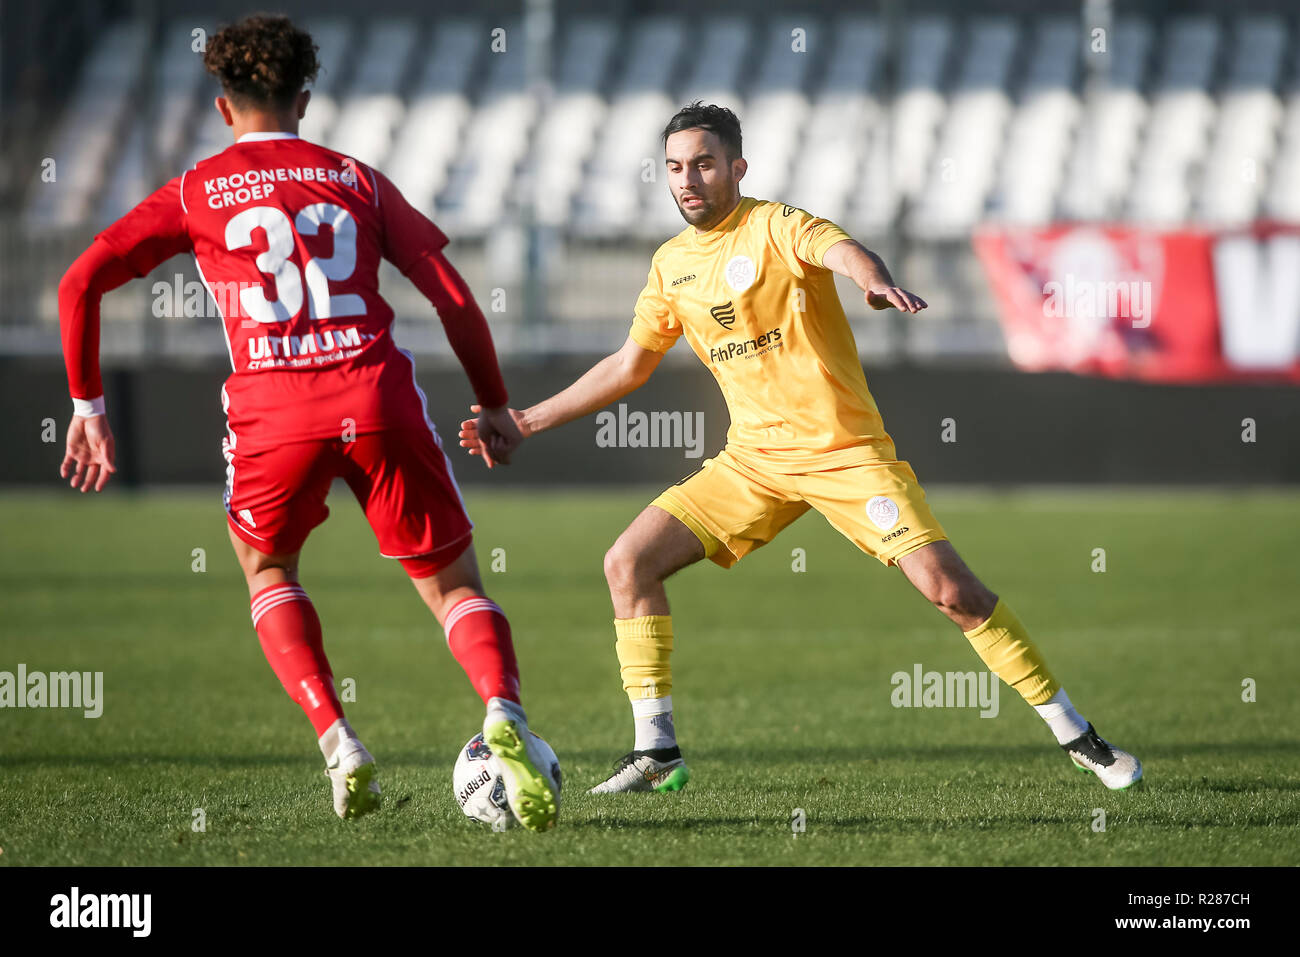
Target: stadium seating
<point>1188,119</point>
<point>964,118</point>
<point>1176,130</point>
<point>1041,130</point>
<point>371,110</point>
<point>439,109</point>
<point>567,132</point>
<point>610,199</point>
<point>1242,145</point>
<point>845,112</point>
<point>961,172</point>
<point>1113,113</point>
<point>84,141</point>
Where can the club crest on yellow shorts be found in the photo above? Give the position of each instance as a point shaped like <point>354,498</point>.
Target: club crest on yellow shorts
<point>882,511</point>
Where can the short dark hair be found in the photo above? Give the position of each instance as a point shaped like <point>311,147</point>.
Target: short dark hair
<point>263,60</point>
<point>718,120</point>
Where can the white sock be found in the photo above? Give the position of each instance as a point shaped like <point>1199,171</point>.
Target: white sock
<point>333,737</point>
<point>1061,717</point>
<point>512,710</point>
<point>654,723</point>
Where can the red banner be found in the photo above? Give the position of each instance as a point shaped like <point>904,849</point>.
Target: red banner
<point>1183,306</point>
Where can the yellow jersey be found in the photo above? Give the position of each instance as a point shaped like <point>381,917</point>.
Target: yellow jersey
<point>761,311</point>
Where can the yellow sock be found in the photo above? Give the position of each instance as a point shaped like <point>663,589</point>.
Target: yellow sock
<point>1005,647</point>
<point>644,646</point>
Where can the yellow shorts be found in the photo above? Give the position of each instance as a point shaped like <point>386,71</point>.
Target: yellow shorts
<point>733,508</point>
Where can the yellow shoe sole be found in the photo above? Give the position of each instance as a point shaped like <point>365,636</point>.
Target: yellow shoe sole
<point>531,799</point>
<point>361,800</point>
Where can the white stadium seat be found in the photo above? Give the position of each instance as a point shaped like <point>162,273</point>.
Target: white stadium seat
<point>964,161</point>
<point>1245,136</point>
<point>627,146</point>
<point>480,187</point>
<point>567,133</point>
<point>844,120</point>
<point>432,127</point>
<point>1177,129</point>
<point>778,108</point>
<point>372,109</point>
<point>90,129</point>
<point>1041,131</point>
<point>1099,170</point>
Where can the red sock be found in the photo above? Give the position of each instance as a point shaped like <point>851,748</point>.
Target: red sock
<point>479,638</point>
<point>289,629</point>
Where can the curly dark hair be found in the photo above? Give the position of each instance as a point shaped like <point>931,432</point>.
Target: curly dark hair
<point>715,119</point>
<point>263,60</point>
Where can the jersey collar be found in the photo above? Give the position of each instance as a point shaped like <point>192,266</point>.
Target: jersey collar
<point>261,136</point>
<point>727,225</point>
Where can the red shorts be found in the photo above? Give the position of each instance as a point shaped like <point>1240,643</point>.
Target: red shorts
<point>402,478</point>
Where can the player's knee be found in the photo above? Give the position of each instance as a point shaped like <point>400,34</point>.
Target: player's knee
<point>625,567</point>
<point>617,565</point>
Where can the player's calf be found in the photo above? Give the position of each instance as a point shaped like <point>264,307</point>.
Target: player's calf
<point>938,573</point>
<point>644,646</point>
<point>652,548</point>
<point>290,634</point>
<point>1003,644</point>
<point>478,636</point>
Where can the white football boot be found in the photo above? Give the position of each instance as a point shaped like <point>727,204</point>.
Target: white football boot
<point>660,770</point>
<point>1114,768</point>
<point>528,791</point>
<point>351,771</point>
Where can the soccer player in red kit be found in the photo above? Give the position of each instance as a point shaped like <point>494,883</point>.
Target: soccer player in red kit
<point>288,236</point>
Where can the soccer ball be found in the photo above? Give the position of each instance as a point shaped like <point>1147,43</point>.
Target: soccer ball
<point>480,791</point>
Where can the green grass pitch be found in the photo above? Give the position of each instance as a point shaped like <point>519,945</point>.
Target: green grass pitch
<point>782,687</point>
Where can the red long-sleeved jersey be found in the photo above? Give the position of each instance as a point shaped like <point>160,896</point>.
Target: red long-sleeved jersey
<point>287,236</point>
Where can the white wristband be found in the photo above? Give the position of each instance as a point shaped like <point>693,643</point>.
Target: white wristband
<point>88,408</point>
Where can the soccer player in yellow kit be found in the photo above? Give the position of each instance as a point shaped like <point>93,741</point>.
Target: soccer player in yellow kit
<point>749,284</point>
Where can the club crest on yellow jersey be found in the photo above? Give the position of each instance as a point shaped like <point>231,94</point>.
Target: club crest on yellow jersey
<point>740,273</point>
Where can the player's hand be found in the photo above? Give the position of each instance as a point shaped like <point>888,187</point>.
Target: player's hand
<point>495,434</point>
<point>89,457</point>
<point>894,297</point>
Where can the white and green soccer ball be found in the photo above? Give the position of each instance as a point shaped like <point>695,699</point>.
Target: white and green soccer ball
<point>478,786</point>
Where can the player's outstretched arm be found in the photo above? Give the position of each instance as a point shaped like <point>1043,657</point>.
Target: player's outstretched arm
<point>89,457</point>
<point>852,259</point>
<point>607,381</point>
<point>151,233</point>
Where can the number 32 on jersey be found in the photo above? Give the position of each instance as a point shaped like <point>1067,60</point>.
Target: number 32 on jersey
<point>288,279</point>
